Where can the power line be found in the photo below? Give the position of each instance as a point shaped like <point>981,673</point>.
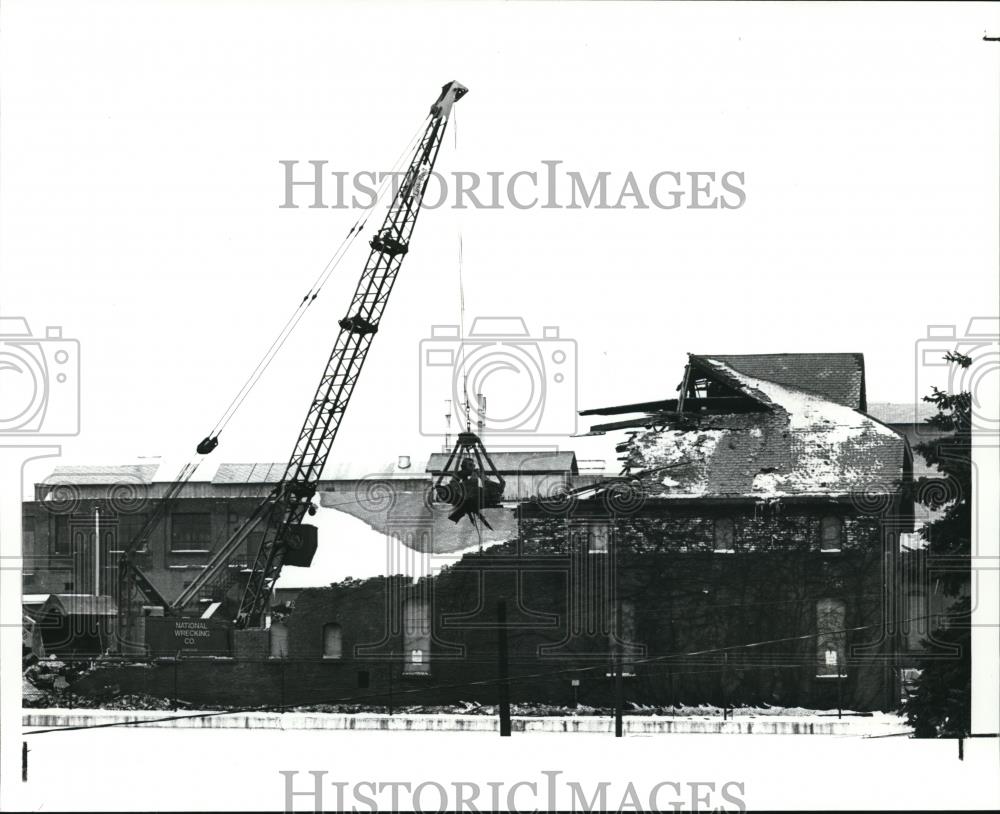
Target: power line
<point>461,685</point>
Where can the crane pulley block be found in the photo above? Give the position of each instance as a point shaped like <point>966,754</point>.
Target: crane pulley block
<point>207,445</point>
<point>387,244</point>
<point>357,325</point>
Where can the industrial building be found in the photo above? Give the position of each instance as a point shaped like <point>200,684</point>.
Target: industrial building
<point>750,551</point>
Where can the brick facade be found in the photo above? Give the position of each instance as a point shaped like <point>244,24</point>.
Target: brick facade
<point>693,624</point>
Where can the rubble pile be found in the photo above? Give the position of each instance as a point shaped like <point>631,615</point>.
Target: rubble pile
<point>47,684</point>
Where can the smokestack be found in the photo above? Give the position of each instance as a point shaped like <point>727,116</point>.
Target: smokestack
<point>481,421</point>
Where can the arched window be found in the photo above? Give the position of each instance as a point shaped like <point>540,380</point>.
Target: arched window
<point>279,640</point>
<point>831,532</point>
<point>333,645</point>
<point>831,638</point>
<point>416,637</point>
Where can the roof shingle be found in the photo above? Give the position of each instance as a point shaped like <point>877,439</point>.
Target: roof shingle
<point>838,377</point>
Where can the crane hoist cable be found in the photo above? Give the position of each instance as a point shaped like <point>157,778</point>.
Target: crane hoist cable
<point>469,481</point>
<point>310,295</point>
<point>292,496</point>
<point>129,573</point>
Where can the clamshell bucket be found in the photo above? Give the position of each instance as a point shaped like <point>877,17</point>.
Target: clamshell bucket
<point>469,481</point>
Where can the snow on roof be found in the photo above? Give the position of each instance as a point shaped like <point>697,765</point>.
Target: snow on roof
<point>103,475</point>
<point>837,377</point>
<point>339,469</point>
<point>804,444</point>
<point>248,473</point>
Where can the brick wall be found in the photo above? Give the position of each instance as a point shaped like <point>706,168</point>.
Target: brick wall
<point>691,612</point>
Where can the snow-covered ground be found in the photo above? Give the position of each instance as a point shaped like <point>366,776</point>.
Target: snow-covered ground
<point>170,769</point>
<point>484,719</point>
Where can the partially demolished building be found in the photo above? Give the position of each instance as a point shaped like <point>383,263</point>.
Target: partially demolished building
<point>747,554</point>
<point>750,551</point>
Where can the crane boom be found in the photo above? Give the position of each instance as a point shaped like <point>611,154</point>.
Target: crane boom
<point>285,507</point>
<point>357,329</point>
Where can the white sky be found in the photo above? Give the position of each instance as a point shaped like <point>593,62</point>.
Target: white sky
<point>140,186</point>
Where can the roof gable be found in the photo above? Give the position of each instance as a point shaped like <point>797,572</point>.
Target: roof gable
<point>837,377</point>
<point>803,445</point>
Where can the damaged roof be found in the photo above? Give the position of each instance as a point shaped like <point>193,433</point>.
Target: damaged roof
<point>837,377</point>
<point>804,443</point>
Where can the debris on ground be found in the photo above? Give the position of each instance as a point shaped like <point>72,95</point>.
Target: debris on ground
<point>47,684</point>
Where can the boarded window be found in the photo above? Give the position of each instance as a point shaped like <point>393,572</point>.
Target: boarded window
<point>333,645</point>
<point>831,531</point>
<point>724,534</point>
<point>831,639</point>
<point>416,637</point>
<point>596,536</point>
<point>191,532</point>
<point>623,639</point>
<point>279,640</point>
<point>590,535</point>
<point>60,535</point>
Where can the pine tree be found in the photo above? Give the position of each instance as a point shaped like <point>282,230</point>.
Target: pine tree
<point>939,703</point>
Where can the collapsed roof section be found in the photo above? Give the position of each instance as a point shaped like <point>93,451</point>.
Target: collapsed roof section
<point>836,377</point>
<point>731,433</point>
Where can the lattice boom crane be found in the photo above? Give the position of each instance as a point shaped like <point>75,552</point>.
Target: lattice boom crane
<point>284,509</point>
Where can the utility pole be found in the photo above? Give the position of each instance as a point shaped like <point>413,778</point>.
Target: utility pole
<point>617,668</point>
<point>390,681</point>
<point>97,550</point>
<point>840,690</point>
<point>725,685</point>
<point>502,669</point>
